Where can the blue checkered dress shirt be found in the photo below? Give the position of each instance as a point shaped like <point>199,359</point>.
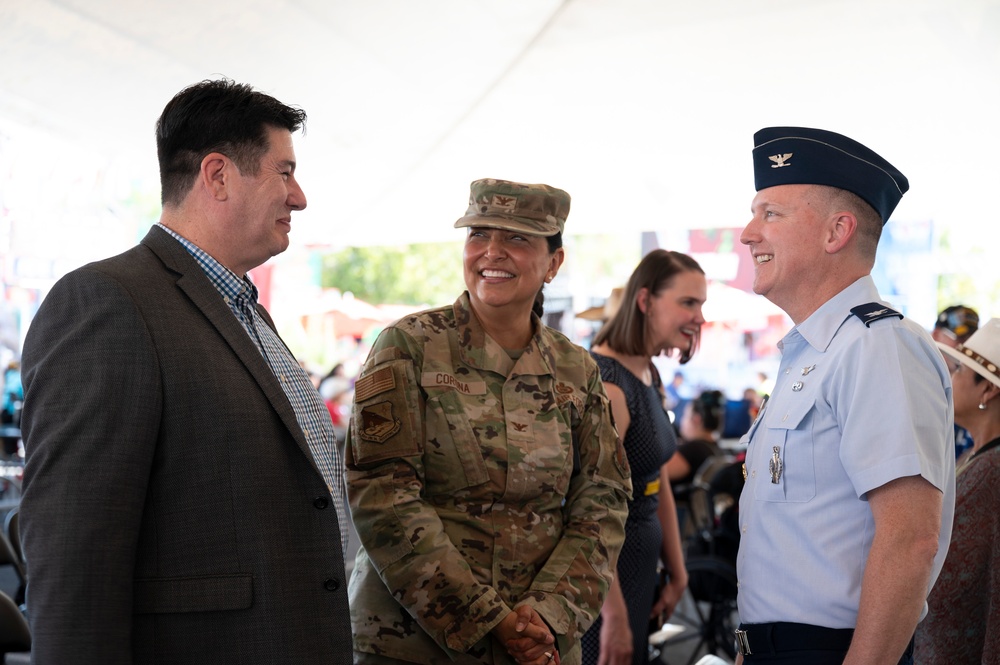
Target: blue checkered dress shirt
<point>310,412</point>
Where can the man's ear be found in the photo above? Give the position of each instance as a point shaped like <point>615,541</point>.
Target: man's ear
<point>215,174</point>
<point>841,227</point>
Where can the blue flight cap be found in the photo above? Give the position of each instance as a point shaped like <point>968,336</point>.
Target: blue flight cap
<point>804,156</point>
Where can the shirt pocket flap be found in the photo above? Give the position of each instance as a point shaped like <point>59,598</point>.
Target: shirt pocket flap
<point>791,417</point>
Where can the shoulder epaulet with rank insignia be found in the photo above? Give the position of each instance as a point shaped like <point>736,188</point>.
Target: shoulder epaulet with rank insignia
<point>873,311</point>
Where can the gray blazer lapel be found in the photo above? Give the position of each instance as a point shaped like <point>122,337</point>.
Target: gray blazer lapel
<point>193,282</point>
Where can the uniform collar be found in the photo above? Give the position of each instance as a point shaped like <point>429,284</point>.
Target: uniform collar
<point>822,325</point>
<point>478,349</point>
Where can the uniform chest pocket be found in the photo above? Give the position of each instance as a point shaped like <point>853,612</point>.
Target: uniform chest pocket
<point>545,461</point>
<point>453,458</point>
<point>787,442</point>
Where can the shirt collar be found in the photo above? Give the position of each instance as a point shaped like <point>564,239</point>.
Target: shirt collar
<point>228,283</point>
<point>481,351</point>
<point>822,325</point>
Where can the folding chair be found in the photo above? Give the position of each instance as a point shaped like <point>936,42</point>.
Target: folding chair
<point>710,559</point>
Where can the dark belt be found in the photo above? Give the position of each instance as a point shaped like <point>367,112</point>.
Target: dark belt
<point>765,638</point>
<point>799,637</point>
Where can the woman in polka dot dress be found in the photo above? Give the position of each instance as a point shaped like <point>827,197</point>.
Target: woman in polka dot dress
<point>660,313</point>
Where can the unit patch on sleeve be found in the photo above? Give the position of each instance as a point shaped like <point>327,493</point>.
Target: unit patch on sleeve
<point>378,422</point>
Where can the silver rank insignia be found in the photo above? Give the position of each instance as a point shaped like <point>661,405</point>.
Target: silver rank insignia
<point>774,466</point>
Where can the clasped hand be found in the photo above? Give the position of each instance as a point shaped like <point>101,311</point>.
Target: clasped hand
<point>527,637</point>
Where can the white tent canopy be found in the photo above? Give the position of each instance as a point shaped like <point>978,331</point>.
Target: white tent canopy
<point>644,110</point>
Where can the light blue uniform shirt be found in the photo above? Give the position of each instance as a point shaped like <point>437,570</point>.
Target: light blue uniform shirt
<point>853,408</point>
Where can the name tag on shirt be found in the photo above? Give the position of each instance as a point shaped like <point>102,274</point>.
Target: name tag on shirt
<point>444,380</point>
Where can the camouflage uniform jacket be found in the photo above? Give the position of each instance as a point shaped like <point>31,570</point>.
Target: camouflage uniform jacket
<point>478,483</point>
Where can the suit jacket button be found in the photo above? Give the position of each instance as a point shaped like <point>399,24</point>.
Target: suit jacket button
<point>321,502</point>
<point>331,584</point>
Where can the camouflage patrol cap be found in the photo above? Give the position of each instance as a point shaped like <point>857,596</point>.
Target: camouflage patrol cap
<point>538,210</point>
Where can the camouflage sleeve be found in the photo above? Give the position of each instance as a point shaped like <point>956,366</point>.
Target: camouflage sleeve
<point>401,532</point>
<point>569,591</point>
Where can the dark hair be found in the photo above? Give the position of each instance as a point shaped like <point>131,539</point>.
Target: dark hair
<point>625,332</point>
<point>216,116</point>
<point>555,242</point>
<point>711,407</point>
<point>333,371</point>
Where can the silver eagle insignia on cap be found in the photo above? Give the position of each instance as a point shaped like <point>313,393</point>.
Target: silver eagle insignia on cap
<point>780,160</point>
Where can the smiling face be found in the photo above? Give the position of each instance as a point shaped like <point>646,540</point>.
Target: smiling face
<point>786,240</point>
<point>673,316</point>
<point>261,219</point>
<point>505,269</point>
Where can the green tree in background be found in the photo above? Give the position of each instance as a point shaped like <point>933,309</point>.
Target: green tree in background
<point>419,274</point>
<point>431,273</point>
<point>968,275</point>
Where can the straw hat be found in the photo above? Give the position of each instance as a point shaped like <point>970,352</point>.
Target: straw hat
<point>605,311</point>
<point>981,352</point>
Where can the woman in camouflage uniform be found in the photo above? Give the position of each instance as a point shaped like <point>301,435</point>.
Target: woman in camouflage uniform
<point>484,475</point>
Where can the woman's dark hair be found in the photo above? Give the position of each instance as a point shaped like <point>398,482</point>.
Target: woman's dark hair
<point>555,242</point>
<point>711,407</point>
<point>626,331</point>
<point>216,116</point>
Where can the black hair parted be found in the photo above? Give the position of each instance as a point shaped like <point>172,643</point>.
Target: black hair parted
<point>221,116</point>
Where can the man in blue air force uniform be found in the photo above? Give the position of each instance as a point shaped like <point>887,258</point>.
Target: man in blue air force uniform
<point>850,479</point>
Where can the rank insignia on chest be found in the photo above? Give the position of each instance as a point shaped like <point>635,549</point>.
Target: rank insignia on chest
<point>519,427</point>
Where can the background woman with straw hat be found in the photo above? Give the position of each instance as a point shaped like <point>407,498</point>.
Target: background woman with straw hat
<point>963,622</point>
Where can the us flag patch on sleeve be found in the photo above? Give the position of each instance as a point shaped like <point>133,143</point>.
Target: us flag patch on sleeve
<point>376,383</point>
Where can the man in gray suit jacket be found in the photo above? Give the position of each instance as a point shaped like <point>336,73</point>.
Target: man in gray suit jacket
<point>183,491</point>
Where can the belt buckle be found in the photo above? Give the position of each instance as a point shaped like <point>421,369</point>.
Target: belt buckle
<point>742,643</point>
